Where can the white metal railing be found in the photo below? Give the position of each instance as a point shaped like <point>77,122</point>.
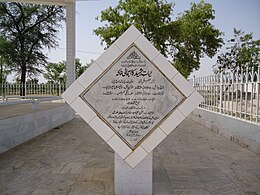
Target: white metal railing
<point>231,93</point>
<point>12,91</point>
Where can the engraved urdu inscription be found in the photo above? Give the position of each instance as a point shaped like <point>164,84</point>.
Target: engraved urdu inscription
<point>132,97</point>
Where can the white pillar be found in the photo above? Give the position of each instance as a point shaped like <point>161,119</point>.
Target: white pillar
<point>134,181</point>
<point>71,42</point>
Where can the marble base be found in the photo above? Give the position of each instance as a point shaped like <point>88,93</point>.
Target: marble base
<point>134,181</point>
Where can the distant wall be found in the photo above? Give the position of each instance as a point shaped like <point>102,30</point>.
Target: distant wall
<point>19,129</point>
<point>244,133</point>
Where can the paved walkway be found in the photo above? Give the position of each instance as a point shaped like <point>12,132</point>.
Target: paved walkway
<point>72,159</point>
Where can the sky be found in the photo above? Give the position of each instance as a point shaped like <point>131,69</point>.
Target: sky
<point>229,14</point>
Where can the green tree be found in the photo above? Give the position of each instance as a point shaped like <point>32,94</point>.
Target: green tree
<point>194,37</point>
<point>4,71</point>
<point>185,40</point>
<point>33,81</point>
<point>29,29</point>
<point>244,53</point>
<point>56,72</point>
<point>80,69</point>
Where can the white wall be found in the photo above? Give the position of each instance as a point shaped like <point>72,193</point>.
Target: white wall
<point>242,132</point>
<point>19,129</point>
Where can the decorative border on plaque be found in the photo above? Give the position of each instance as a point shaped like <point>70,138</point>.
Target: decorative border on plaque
<point>134,59</point>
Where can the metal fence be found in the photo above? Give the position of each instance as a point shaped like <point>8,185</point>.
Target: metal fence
<point>44,89</point>
<point>236,94</point>
<point>231,93</point>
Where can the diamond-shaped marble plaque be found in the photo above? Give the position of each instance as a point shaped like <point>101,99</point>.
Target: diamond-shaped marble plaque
<point>132,97</point>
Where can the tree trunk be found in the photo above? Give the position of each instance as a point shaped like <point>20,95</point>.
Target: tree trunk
<point>23,82</point>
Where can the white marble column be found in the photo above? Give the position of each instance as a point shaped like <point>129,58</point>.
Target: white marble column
<point>134,181</point>
<point>70,42</point>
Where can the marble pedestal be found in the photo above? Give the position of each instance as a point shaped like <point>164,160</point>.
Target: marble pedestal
<point>133,181</point>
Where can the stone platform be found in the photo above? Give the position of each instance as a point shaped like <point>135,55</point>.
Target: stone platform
<point>72,159</point>
<point>20,123</point>
<point>22,109</point>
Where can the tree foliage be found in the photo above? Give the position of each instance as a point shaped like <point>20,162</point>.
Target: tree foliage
<point>244,53</point>
<point>80,69</point>
<point>56,72</point>
<point>194,37</point>
<point>148,16</point>
<point>4,70</point>
<point>3,48</point>
<point>29,29</point>
<point>184,40</point>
